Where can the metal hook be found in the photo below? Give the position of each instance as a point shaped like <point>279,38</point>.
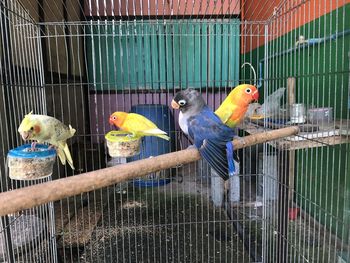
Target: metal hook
<point>254,72</point>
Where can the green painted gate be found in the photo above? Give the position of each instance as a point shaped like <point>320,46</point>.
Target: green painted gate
<point>162,55</point>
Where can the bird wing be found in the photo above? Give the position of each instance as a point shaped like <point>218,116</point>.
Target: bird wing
<point>136,122</point>
<point>226,110</point>
<point>54,129</point>
<point>207,125</point>
<point>210,136</point>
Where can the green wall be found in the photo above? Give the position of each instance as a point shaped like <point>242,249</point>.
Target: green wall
<point>163,54</point>
<point>322,79</point>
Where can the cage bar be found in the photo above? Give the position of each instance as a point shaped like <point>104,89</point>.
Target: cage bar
<point>80,61</point>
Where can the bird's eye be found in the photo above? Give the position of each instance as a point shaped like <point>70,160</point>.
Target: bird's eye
<point>114,117</point>
<point>31,128</point>
<point>182,102</point>
<point>248,91</point>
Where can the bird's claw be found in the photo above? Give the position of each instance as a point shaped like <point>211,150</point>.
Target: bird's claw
<point>33,145</point>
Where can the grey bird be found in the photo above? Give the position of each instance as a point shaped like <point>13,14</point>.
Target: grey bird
<point>211,137</point>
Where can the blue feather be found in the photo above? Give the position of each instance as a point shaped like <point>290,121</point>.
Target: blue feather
<point>215,155</point>
<point>212,137</point>
<point>231,164</point>
<point>217,166</point>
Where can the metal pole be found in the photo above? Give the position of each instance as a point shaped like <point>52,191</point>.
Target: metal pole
<point>282,214</point>
<point>6,80</point>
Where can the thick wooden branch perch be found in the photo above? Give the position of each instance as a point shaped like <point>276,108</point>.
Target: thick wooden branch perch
<point>28,197</point>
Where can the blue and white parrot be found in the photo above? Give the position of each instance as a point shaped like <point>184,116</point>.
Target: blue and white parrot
<point>211,137</point>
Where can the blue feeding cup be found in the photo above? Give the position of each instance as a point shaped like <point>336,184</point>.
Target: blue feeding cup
<point>26,163</point>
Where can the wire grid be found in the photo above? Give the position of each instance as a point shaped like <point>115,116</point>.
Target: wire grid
<point>105,57</point>
<point>29,235</point>
<point>316,55</point>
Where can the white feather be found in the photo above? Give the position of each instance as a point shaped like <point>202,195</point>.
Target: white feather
<point>183,123</point>
<point>155,131</point>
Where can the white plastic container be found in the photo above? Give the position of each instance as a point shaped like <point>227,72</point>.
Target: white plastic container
<point>320,115</point>
<point>297,113</point>
<point>121,144</point>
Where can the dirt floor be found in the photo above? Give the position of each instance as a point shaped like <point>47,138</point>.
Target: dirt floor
<point>178,223</point>
<point>172,223</point>
<point>307,242</point>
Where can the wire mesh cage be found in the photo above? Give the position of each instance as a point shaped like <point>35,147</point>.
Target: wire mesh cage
<point>80,61</point>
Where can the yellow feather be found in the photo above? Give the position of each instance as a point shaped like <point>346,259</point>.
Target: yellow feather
<point>68,155</point>
<point>235,105</point>
<point>51,131</point>
<point>140,125</point>
<point>61,155</point>
<point>225,110</point>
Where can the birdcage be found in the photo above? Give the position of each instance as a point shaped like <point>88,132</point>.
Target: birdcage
<point>80,61</point>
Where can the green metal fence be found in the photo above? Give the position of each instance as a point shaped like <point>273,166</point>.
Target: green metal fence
<point>160,54</point>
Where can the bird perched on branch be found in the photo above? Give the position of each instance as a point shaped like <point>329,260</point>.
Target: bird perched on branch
<point>136,124</point>
<point>42,128</point>
<point>234,107</point>
<point>210,136</point>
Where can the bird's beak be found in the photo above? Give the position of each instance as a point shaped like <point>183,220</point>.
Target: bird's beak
<point>110,121</point>
<point>174,105</point>
<point>256,95</point>
<point>25,135</point>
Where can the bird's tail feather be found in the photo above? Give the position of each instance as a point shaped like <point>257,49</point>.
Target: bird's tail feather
<point>229,153</point>
<point>165,137</point>
<point>61,155</point>
<point>64,155</point>
<point>157,132</point>
<point>68,156</point>
<point>154,131</point>
<point>215,165</point>
<point>216,156</point>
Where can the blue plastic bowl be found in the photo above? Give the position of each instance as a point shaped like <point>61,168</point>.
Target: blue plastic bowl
<point>27,164</point>
<point>151,183</point>
<point>25,151</point>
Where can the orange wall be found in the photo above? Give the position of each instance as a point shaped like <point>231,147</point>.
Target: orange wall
<point>164,7</point>
<point>290,16</point>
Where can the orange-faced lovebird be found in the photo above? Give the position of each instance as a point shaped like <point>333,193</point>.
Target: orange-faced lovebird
<point>44,128</point>
<point>234,107</point>
<point>136,124</point>
<point>210,136</point>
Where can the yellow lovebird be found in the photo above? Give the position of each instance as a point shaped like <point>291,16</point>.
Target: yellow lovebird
<point>136,124</point>
<point>44,128</point>
<point>234,107</point>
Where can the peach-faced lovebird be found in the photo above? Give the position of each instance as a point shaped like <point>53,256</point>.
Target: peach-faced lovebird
<point>136,124</point>
<point>44,128</point>
<point>210,136</point>
<point>234,107</point>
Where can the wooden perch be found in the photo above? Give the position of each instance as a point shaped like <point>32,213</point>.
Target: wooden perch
<point>28,197</point>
